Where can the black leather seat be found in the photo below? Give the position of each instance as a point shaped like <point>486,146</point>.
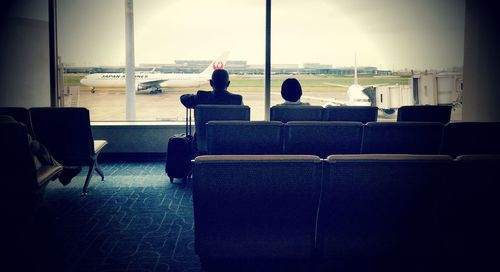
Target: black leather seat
<point>244,137</point>
<point>205,113</point>
<point>425,113</point>
<point>286,113</point>
<point>468,138</point>
<point>255,210</point>
<point>402,138</point>
<point>67,135</point>
<point>473,232</point>
<point>363,114</point>
<point>381,211</point>
<point>322,138</point>
<point>21,115</point>
<point>24,178</point>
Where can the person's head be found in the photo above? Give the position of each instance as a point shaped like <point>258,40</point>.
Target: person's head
<point>291,90</point>
<point>220,80</point>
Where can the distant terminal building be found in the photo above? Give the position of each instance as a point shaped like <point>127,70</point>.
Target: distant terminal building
<point>234,67</point>
<point>197,66</point>
<point>384,73</point>
<point>316,68</point>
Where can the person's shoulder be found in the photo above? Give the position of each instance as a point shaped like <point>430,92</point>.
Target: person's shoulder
<point>236,97</point>
<point>293,104</point>
<point>202,92</point>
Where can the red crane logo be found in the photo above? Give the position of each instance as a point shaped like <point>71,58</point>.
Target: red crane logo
<point>218,65</point>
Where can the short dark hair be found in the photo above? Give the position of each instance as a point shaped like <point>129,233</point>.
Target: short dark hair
<point>291,90</point>
<point>220,78</point>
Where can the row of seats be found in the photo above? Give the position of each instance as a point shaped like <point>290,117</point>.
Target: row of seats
<point>323,138</point>
<point>303,210</point>
<point>363,114</point>
<point>65,132</point>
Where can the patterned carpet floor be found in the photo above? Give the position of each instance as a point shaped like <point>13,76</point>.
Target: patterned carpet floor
<point>134,220</point>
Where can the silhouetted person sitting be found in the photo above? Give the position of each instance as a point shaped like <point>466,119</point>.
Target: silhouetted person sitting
<point>219,95</point>
<point>291,91</point>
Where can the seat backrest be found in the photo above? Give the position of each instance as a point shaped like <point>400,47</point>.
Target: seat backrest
<point>205,113</point>
<point>255,206</point>
<point>285,113</point>
<point>65,132</point>
<point>476,193</point>
<point>17,167</point>
<point>322,138</point>
<point>402,138</point>
<point>425,113</point>
<point>471,138</point>
<point>244,137</point>
<point>20,114</point>
<point>363,114</point>
<point>381,205</point>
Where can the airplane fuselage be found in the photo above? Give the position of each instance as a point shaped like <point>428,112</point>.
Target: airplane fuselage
<point>117,80</point>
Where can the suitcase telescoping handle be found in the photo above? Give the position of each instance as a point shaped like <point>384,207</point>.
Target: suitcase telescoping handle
<point>188,121</point>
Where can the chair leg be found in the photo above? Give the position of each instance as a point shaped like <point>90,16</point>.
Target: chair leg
<point>98,170</point>
<point>87,180</point>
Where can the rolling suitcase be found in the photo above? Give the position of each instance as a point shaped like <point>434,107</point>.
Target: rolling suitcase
<point>180,152</point>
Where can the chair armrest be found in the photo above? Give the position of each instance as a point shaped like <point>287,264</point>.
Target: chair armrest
<point>45,173</point>
<point>99,145</point>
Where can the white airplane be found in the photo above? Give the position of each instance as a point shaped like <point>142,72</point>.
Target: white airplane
<point>355,93</point>
<point>154,81</point>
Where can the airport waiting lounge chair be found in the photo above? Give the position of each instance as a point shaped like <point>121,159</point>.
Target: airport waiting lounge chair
<point>21,115</point>
<point>382,209</point>
<point>23,175</point>
<point>322,138</point>
<point>286,113</point>
<point>244,137</point>
<point>254,210</point>
<point>205,113</point>
<point>402,138</point>
<point>363,114</point>
<point>425,113</point>
<point>467,138</point>
<point>67,135</point>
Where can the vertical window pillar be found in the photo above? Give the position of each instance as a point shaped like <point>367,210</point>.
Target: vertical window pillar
<point>267,70</point>
<point>130,59</point>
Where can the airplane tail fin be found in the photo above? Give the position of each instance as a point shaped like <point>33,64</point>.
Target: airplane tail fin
<point>218,63</point>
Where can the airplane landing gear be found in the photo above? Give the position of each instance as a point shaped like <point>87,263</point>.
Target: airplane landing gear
<point>155,91</point>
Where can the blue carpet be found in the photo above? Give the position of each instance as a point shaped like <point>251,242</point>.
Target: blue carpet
<point>135,220</point>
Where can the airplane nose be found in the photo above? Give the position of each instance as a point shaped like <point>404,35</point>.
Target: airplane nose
<point>84,81</point>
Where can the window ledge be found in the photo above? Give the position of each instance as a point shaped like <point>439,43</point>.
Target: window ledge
<point>136,123</point>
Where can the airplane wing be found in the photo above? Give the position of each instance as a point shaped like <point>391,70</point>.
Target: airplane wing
<point>329,101</point>
<point>346,86</point>
<point>150,84</point>
<point>335,84</point>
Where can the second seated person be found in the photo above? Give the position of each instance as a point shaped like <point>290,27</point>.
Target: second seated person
<point>291,91</point>
<point>218,96</point>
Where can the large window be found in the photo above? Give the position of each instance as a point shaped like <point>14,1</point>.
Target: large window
<point>175,41</point>
<point>397,43</point>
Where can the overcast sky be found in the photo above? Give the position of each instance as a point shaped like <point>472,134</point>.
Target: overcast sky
<point>414,34</point>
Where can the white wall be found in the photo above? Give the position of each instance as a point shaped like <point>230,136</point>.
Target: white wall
<point>24,54</point>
